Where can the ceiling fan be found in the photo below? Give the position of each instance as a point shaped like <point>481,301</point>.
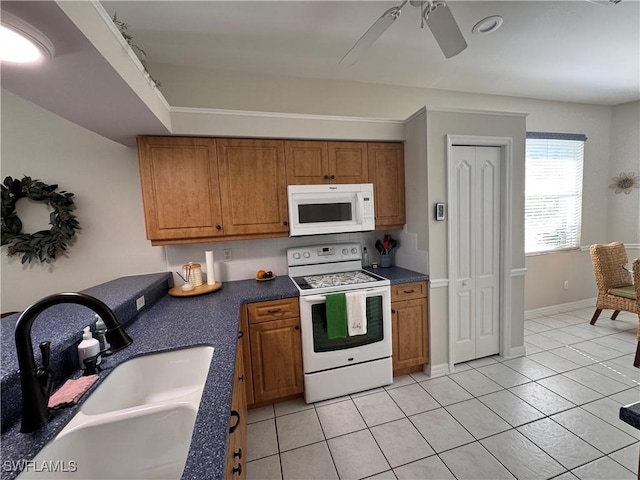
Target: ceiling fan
<point>436,15</point>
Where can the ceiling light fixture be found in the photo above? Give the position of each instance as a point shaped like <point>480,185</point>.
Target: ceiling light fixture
<point>488,25</point>
<point>22,43</point>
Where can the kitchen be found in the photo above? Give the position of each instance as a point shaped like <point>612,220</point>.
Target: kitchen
<point>113,241</point>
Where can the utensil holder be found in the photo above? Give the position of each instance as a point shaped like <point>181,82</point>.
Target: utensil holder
<point>385,260</point>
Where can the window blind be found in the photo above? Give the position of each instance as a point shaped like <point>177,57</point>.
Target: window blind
<point>553,191</point>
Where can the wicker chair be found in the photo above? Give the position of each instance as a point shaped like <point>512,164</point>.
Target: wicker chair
<point>615,287</point>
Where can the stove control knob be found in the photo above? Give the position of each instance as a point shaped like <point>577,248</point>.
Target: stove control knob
<point>345,251</point>
<point>354,250</point>
<point>296,256</point>
<point>306,254</point>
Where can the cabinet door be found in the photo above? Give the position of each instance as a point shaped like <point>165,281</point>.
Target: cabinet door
<point>236,461</point>
<point>386,172</point>
<point>409,334</point>
<point>246,352</point>
<point>276,358</point>
<point>348,162</point>
<point>253,186</point>
<point>307,163</point>
<point>179,178</point>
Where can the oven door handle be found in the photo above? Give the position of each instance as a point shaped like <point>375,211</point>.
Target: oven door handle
<point>369,292</point>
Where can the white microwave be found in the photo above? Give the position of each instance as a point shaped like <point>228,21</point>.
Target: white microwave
<point>320,209</point>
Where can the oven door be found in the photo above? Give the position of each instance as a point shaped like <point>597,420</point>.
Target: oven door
<point>321,353</point>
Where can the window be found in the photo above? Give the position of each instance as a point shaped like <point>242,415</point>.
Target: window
<point>553,191</point>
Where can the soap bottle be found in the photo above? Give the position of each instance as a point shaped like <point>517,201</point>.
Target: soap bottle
<point>100,333</point>
<point>88,347</point>
<point>365,257</point>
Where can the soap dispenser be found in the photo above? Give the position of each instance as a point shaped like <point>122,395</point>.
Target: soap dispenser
<point>100,333</point>
<point>88,347</point>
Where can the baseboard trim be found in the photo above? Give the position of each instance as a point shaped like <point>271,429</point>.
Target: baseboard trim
<point>439,370</point>
<point>562,307</point>
<point>515,352</point>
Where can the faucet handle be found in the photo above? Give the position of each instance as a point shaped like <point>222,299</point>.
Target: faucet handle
<point>45,350</point>
<point>91,363</point>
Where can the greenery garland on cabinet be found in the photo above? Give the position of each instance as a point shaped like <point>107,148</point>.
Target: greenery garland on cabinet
<point>44,245</point>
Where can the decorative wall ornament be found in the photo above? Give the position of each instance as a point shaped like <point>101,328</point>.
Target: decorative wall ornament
<point>625,182</point>
<point>44,245</point>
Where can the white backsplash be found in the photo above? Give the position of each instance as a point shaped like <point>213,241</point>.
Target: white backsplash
<point>249,256</point>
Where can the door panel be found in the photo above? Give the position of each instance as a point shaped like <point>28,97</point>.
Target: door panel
<point>475,251</point>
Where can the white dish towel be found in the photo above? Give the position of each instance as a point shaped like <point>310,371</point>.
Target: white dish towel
<point>356,313</point>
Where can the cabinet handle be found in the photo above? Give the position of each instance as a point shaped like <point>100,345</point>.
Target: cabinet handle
<point>326,177</point>
<point>409,291</point>
<point>233,428</point>
<point>297,327</point>
<point>237,470</point>
<point>393,312</point>
<point>238,454</point>
<point>240,334</point>
<point>333,177</point>
<point>241,378</point>
<point>218,227</point>
<point>285,223</point>
<point>274,311</point>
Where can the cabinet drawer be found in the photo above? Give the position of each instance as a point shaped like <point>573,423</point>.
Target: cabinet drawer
<point>273,310</point>
<point>408,291</point>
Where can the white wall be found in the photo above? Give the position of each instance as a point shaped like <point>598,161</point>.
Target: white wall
<point>103,175</point>
<point>624,209</point>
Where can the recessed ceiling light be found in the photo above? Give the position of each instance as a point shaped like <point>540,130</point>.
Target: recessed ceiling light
<point>488,25</point>
<point>22,43</point>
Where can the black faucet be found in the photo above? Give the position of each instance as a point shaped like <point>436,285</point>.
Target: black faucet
<point>36,385</point>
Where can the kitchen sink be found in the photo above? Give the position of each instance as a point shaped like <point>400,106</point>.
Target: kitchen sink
<point>153,378</point>
<point>136,425</point>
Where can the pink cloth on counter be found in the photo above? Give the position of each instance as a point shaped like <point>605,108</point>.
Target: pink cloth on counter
<point>69,393</point>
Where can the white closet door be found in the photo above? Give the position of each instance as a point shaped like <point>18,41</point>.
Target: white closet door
<point>475,250</point>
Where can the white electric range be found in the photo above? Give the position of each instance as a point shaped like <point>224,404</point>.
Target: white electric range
<point>335,367</point>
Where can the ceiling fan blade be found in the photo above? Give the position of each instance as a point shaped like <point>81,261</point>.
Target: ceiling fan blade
<point>371,35</point>
<point>446,31</point>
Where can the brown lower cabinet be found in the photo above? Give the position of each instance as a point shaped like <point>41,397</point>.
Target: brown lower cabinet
<point>236,462</point>
<point>409,327</point>
<point>275,346</point>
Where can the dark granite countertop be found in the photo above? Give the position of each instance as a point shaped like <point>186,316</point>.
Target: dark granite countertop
<point>399,274</point>
<point>166,323</point>
<point>631,414</point>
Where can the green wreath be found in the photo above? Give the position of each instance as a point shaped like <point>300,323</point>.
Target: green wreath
<point>44,245</point>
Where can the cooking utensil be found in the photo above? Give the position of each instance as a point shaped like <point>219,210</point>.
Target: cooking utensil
<point>394,244</point>
<point>379,246</point>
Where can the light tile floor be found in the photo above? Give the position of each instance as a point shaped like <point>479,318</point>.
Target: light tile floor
<point>550,414</point>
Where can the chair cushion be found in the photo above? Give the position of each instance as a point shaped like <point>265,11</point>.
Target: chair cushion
<point>626,292</point>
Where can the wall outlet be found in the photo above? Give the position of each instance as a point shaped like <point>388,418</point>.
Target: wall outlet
<point>140,302</point>
<point>566,285</point>
<point>226,254</point>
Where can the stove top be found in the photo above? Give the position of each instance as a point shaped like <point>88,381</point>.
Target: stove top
<point>330,268</point>
<point>338,279</point>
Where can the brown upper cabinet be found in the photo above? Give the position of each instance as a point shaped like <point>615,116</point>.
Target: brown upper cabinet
<point>253,186</point>
<point>315,162</point>
<point>386,172</point>
<point>180,192</point>
<point>208,189</point>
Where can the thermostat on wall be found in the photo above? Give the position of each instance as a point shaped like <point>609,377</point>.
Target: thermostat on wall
<point>439,211</point>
